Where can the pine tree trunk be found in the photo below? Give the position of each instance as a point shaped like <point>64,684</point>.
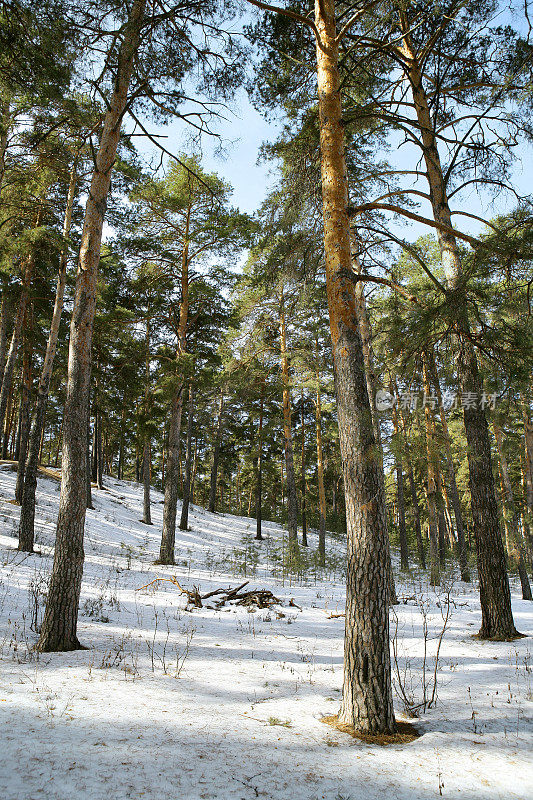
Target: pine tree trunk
<point>454,492</point>
<point>4,314</point>
<point>303,484</point>
<point>7,380</point>
<point>259,482</point>
<point>147,517</point>
<point>516,544</point>
<point>216,453</point>
<point>497,617</point>
<point>27,511</point>
<point>184,521</point>
<point>320,472</point>
<point>147,466</point>
<point>292,502</point>
<point>88,460</point>
<point>58,631</point>
<point>25,405</point>
<point>367,691</point>
<point>173,467</point>
<point>402,529</point>
<point>431,486</point>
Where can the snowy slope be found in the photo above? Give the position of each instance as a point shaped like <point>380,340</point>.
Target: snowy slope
<point>227,704</point>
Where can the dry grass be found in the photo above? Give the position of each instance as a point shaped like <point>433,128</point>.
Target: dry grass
<point>405,732</point>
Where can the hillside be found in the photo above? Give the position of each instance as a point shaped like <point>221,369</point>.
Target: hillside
<point>227,702</point>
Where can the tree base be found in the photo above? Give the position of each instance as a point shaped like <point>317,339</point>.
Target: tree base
<point>405,732</point>
<point>498,637</point>
<point>58,648</point>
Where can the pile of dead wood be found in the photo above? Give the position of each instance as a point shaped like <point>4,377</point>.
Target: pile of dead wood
<point>261,598</point>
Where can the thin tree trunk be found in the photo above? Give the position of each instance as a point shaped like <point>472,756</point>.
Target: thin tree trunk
<point>367,690</point>
<point>259,483</point>
<point>147,466</point>
<point>320,470</point>
<point>303,483</point>
<point>58,631</point>
<point>402,529</point>
<point>516,544</point>
<point>25,405</point>
<point>216,453</point>
<point>454,492</point>
<point>292,501</point>
<point>431,486</point>
<point>88,478</point>
<point>4,314</point>
<point>497,617</point>
<point>7,380</point>
<point>184,521</point>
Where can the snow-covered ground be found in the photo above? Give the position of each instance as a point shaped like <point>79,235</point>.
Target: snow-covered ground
<point>174,704</point>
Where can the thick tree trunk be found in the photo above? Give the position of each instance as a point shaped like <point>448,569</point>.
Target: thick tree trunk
<point>184,521</point>
<point>59,626</point>
<point>497,617</point>
<point>320,472</point>
<point>25,405</point>
<point>292,501</point>
<point>516,543</point>
<point>216,453</point>
<point>27,511</point>
<point>367,691</point>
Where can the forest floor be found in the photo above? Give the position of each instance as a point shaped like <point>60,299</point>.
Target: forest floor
<point>228,703</point>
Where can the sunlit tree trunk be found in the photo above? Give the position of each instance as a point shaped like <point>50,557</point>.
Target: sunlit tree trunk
<point>320,470</point>
<point>25,404</point>
<point>431,487</point>
<point>184,521</point>
<point>147,461</point>
<point>367,691</point>
<point>259,483</point>
<point>402,529</point>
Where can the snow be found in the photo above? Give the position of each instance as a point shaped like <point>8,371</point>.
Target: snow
<point>171,703</point>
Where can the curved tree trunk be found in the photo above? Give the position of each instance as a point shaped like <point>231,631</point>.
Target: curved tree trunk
<point>367,690</point>
<point>58,631</point>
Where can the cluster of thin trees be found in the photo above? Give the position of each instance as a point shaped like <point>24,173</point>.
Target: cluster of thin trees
<point>348,364</point>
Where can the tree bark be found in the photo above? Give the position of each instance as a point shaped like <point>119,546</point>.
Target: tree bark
<point>216,453</point>
<point>454,492</point>
<point>184,521</point>
<point>402,529</point>
<point>497,617</point>
<point>25,404</point>
<point>259,483</point>
<point>320,470</point>
<point>303,483</point>
<point>172,478</point>
<point>431,486</point>
<point>147,466</point>
<point>367,691</point>
<point>59,626</point>
<point>292,501</point>
<point>4,314</point>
